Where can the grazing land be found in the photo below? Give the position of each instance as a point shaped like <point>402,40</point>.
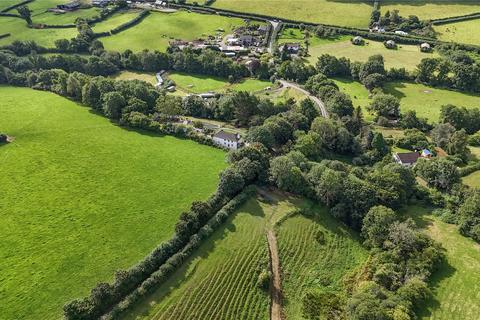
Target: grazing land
<point>352,14</point>
<point>456,285</point>
<point>427,101</point>
<point>132,75</point>
<point>82,197</point>
<point>405,56</point>
<point>7,3</point>
<point>158,29</point>
<point>430,9</point>
<point>188,83</point>
<point>358,93</point>
<point>41,15</point>
<point>220,280</point>
<point>115,20</point>
<point>472,180</point>
<point>19,31</point>
<point>308,263</point>
<point>461,32</point>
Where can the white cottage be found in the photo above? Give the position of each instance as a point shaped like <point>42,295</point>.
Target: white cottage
<point>227,140</point>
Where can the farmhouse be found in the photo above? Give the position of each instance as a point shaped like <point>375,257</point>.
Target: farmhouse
<point>227,139</point>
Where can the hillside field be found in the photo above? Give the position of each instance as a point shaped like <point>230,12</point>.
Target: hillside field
<point>456,285</point>
<point>461,32</point>
<point>115,20</point>
<point>82,197</point>
<point>430,9</point>
<point>308,264</point>
<point>158,29</point>
<point>341,13</point>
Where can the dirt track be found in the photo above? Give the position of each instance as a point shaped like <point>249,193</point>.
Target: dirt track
<point>275,282</point>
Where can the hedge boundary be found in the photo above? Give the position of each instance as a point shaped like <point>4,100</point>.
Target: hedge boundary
<point>16,5</point>
<point>4,35</point>
<point>465,171</point>
<point>466,17</point>
<point>130,23</point>
<point>175,261</point>
<point>13,15</point>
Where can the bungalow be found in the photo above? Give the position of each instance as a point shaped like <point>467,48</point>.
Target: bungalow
<point>227,139</point>
<point>407,159</point>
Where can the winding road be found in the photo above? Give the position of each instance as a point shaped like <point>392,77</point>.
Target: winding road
<point>318,102</point>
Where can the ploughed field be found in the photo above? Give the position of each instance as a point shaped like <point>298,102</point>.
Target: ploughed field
<point>82,197</point>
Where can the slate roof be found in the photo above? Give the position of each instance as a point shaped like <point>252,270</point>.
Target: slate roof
<point>408,157</point>
<point>226,136</point>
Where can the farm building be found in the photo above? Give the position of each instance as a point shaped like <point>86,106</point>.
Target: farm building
<point>227,139</point>
<point>401,33</point>
<point>390,44</point>
<point>425,47</point>
<point>291,47</point>
<point>357,40</point>
<point>71,6</point>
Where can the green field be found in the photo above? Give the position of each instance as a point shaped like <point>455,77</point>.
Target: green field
<point>8,3</point>
<point>405,56</point>
<point>187,83</point>
<point>133,75</point>
<point>462,32</point>
<point>456,285</point>
<point>82,197</point>
<point>19,31</point>
<point>219,280</point>
<point>430,9</point>
<point>41,15</point>
<point>349,13</point>
<point>472,180</point>
<point>358,93</point>
<point>158,29</point>
<point>308,264</point>
<point>115,20</point>
<point>282,94</point>
<point>427,101</point>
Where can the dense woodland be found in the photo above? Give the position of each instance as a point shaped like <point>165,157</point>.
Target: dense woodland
<point>292,148</point>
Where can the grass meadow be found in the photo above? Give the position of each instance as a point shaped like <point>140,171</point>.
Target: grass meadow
<point>41,15</point>
<point>158,29</point>
<point>341,13</point>
<point>456,285</point>
<point>7,3</point>
<point>472,180</point>
<point>115,20</point>
<point>430,9</point>
<point>309,264</point>
<point>133,75</point>
<point>405,56</point>
<point>82,197</point>
<point>462,32</point>
<point>358,93</point>
<point>220,280</point>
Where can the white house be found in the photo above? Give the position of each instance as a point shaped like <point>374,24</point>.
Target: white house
<point>227,139</point>
<point>401,33</point>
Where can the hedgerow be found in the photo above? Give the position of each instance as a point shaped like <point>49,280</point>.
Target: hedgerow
<point>131,23</point>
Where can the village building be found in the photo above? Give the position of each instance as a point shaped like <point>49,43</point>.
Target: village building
<point>100,3</point>
<point>291,48</point>
<point>227,140</point>
<point>357,40</point>
<point>263,29</point>
<point>71,6</point>
<point>406,159</point>
<point>401,33</point>
<point>425,47</point>
<point>390,44</point>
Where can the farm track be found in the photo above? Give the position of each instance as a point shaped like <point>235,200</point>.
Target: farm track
<point>276,283</point>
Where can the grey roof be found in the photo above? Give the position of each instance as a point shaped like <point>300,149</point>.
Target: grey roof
<point>226,136</point>
<point>408,157</point>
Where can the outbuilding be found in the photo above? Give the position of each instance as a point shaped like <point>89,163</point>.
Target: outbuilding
<point>425,47</point>
<point>390,44</point>
<point>357,40</point>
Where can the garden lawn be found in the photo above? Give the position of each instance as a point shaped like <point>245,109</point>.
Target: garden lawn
<point>352,13</point>
<point>82,197</point>
<point>405,56</point>
<point>427,101</point>
<point>456,285</point>
<point>189,83</point>
<point>431,9</point>
<point>461,32</point>
<point>133,75</point>
<point>19,31</point>
<point>308,264</point>
<point>158,29</point>
<point>219,281</point>
<point>115,20</point>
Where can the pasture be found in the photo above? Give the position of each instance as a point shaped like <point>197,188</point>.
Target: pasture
<point>19,31</point>
<point>220,280</point>
<point>158,29</point>
<point>133,75</point>
<point>358,93</point>
<point>82,197</point>
<point>427,101</point>
<point>430,9</point>
<point>115,20</point>
<point>352,13</point>
<point>405,56</point>
<point>188,83</point>
<point>308,263</point>
<point>456,285</point>
<point>41,15</point>
<point>472,180</point>
<point>462,32</point>
<point>7,3</point>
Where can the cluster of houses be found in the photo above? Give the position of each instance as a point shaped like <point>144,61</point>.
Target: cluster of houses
<point>408,159</point>
<point>390,44</point>
<point>75,5</point>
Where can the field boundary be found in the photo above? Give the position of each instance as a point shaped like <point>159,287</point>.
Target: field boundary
<point>467,17</point>
<point>16,5</point>
<point>275,281</point>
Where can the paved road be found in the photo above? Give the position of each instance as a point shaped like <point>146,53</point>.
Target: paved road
<point>320,104</point>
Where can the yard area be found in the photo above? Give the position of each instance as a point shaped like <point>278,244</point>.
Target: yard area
<point>430,9</point>
<point>405,56</point>
<point>350,13</point>
<point>462,32</point>
<point>82,197</point>
<point>158,29</point>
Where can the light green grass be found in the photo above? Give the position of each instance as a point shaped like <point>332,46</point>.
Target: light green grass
<point>41,15</point>
<point>281,94</point>
<point>188,83</point>
<point>472,180</point>
<point>158,29</point>
<point>296,35</point>
<point>353,14</point>
<point>405,56</point>
<point>427,101</point>
<point>307,264</point>
<point>7,3</point>
<point>456,285</point>
<point>19,31</point>
<point>358,93</point>
<point>430,9</point>
<point>219,280</point>
<point>133,75</point>
<point>462,32</point>
<point>115,20</point>
<point>82,197</point>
